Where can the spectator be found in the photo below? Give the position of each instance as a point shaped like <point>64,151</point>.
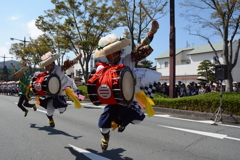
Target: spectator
<point>188,90</point>
<point>223,87</point>
<point>165,89</point>
<point>218,86</point>
<point>192,84</point>
<point>195,89</point>
<point>210,86</point>
<point>238,86</point>
<point>214,89</point>
<point>178,88</point>
<point>159,88</point>
<point>182,90</point>
<point>235,87</point>
<point>202,88</point>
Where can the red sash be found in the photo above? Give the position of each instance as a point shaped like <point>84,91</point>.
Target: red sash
<point>104,82</point>
<point>38,83</point>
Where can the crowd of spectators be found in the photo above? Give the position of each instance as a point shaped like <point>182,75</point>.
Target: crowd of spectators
<point>191,89</point>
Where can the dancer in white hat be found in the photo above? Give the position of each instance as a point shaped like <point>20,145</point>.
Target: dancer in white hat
<point>57,101</point>
<point>116,114</point>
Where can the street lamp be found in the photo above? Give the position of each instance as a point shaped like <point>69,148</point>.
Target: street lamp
<point>24,41</point>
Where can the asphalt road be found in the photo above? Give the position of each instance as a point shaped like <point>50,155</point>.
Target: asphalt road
<point>76,137</point>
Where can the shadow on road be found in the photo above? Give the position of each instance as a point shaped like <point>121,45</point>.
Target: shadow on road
<point>53,131</point>
<point>114,154</point>
<point>111,154</point>
<point>79,156</point>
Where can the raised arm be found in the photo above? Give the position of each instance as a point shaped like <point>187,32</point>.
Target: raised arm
<point>143,49</point>
<point>69,63</point>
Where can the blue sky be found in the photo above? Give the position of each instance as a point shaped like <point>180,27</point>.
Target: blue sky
<point>18,17</point>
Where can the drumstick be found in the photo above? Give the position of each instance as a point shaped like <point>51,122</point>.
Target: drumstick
<point>13,66</point>
<point>140,4</point>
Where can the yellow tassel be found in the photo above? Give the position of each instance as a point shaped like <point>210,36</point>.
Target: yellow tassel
<point>38,100</point>
<point>114,125</point>
<point>76,102</point>
<point>147,102</point>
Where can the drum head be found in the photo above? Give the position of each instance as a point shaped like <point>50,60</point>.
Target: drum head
<point>54,84</point>
<point>128,86</point>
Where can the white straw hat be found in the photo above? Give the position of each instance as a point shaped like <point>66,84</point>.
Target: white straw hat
<point>110,44</point>
<point>20,73</point>
<point>48,58</point>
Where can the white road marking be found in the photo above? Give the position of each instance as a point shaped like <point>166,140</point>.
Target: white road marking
<point>164,116</point>
<point>91,105</point>
<point>41,111</point>
<point>190,120</point>
<point>209,134</point>
<point>88,154</point>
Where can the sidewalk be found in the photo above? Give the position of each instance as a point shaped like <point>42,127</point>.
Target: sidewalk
<point>228,119</point>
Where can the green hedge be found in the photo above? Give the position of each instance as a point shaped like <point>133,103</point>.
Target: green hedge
<point>207,102</point>
<point>84,90</point>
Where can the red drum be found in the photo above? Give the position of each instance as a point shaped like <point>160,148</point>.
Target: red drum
<point>46,84</point>
<point>116,87</point>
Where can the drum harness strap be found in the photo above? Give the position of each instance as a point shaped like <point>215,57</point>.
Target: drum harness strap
<point>27,90</point>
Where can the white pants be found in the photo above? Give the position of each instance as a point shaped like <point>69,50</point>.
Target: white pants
<point>51,109</point>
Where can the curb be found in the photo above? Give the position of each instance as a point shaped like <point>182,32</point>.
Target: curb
<point>228,119</point>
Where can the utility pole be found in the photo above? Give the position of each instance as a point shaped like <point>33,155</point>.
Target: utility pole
<point>4,57</point>
<point>172,71</point>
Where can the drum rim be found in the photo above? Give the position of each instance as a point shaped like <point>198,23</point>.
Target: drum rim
<point>94,99</point>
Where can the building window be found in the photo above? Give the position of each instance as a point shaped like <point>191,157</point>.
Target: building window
<point>166,64</point>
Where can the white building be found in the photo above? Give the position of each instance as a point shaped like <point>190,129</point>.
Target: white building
<point>188,60</point>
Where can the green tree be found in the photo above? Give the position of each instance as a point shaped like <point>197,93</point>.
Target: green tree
<point>206,69</point>
<point>145,64</point>
<point>53,42</point>
<point>134,17</point>
<point>26,52</point>
<point>223,21</point>
<point>79,25</point>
